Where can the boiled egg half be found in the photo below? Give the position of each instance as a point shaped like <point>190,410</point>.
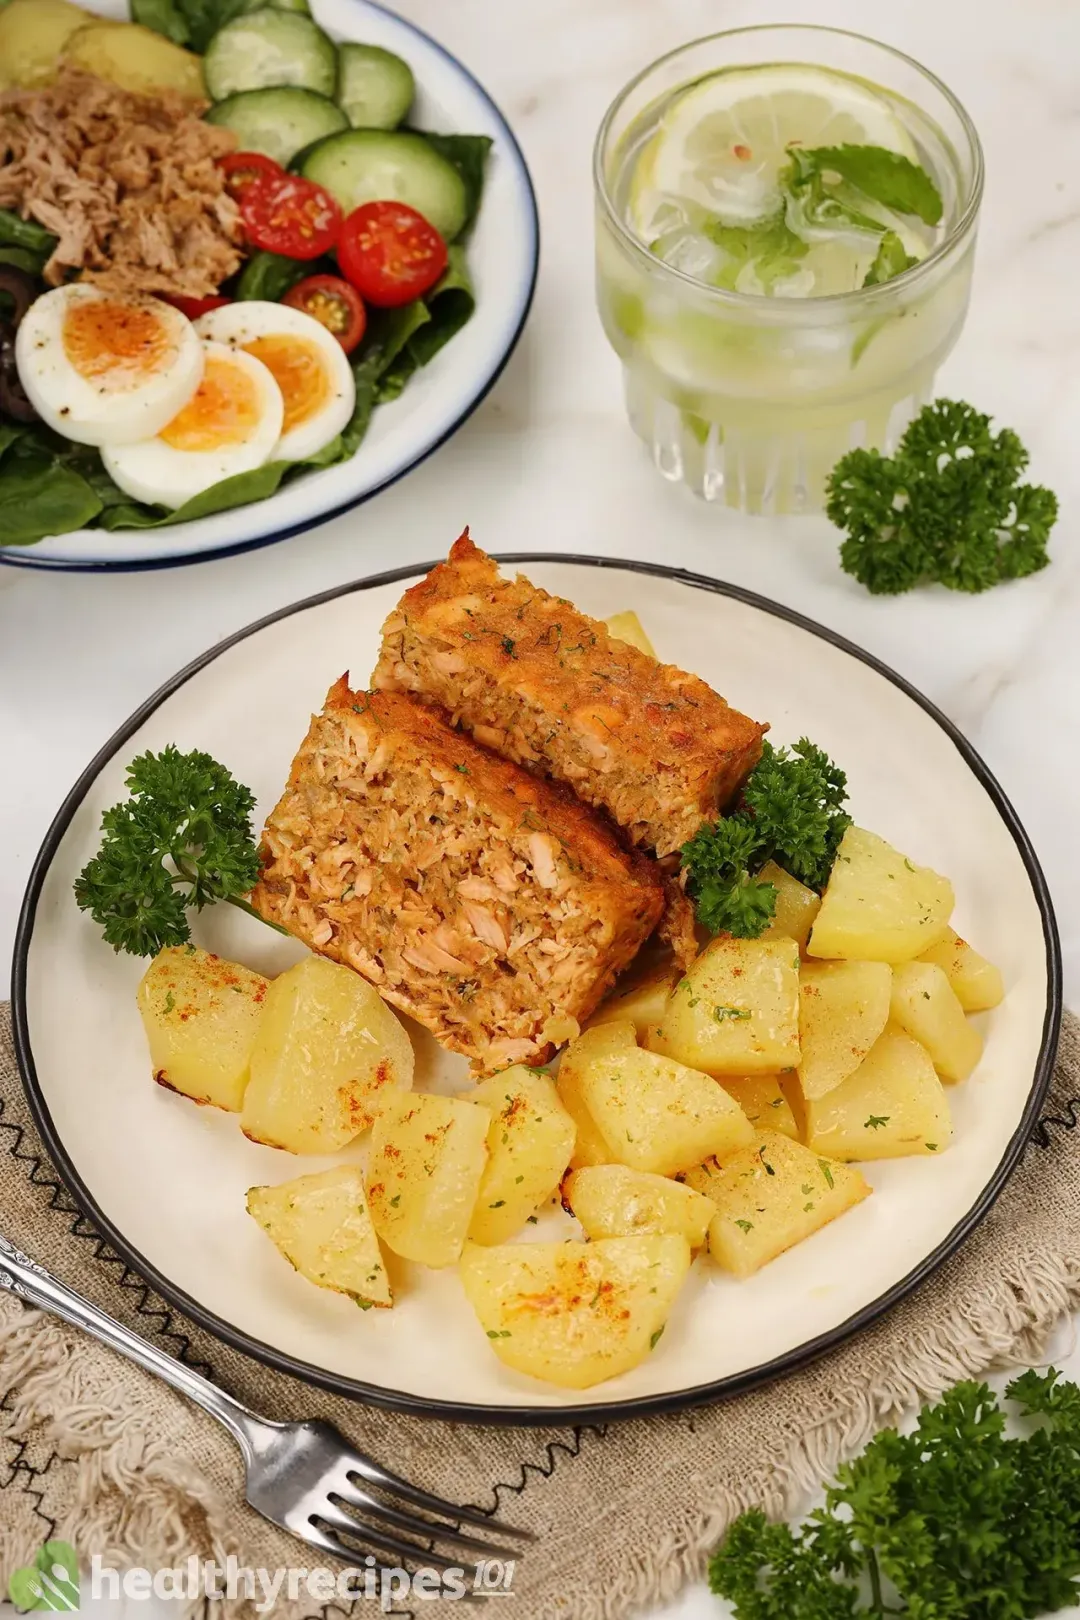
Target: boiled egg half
<point>231,424</point>
<point>104,369</point>
<point>308,364</point>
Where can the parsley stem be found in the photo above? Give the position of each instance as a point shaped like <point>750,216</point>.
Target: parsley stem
<point>877,1597</point>
<point>243,905</point>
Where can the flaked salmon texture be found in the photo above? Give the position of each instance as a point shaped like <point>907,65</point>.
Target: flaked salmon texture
<point>129,184</point>
<point>486,902</point>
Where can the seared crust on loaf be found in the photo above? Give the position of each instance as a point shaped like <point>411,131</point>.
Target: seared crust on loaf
<point>546,686</point>
<point>484,901</point>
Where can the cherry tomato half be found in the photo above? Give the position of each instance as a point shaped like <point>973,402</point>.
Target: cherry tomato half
<point>334,304</point>
<point>194,307</point>
<point>291,216</point>
<point>390,253</point>
<point>241,168</point>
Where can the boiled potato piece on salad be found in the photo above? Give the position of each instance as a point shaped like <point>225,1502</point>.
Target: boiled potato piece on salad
<point>530,1140</point>
<point>977,983</point>
<point>322,1226</point>
<point>843,1008</point>
<point>611,1200</point>
<point>656,1114</point>
<point>737,1010</point>
<point>926,1005</point>
<point>893,1105</point>
<point>879,906</point>
<point>762,1100</point>
<point>796,906</point>
<point>134,58</point>
<point>32,35</point>
<point>628,627</point>
<point>327,1050</point>
<point>423,1176</point>
<point>575,1314</point>
<point>590,1146</point>
<point>771,1196</point>
<point>201,1015</point>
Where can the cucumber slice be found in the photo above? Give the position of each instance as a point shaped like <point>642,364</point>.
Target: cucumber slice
<point>279,122</point>
<point>269,48</point>
<point>375,165</point>
<point>375,87</point>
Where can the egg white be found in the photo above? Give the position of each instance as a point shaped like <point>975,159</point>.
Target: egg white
<point>240,323</point>
<point>112,408</point>
<point>164,475</point>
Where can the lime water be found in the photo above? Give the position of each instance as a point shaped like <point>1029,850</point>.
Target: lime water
<point>771,311</point>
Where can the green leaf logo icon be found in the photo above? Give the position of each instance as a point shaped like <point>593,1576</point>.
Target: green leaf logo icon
<point>50,1582</point>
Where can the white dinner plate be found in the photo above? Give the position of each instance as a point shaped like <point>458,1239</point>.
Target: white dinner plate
<point>504,252</point>
<point>165,1180</point>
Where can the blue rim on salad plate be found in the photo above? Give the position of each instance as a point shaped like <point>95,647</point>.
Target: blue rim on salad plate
<point>444,396</point>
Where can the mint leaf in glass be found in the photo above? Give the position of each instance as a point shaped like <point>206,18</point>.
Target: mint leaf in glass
<point>885,177</point>
<point>771,249</point>
<point>891,259</point>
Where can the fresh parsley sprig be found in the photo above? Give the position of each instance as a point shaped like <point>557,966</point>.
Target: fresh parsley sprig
<point>183,840</point>
<point>958,1521</point>
<point>947,508</point>
<point>792,812</point>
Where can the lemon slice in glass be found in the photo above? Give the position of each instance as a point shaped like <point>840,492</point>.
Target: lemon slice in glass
<point>722,142</point>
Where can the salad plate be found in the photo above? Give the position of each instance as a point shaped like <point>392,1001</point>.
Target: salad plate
<point>175,1207</point>
<point>503,255</point>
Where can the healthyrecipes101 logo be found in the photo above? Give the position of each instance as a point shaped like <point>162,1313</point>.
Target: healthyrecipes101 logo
<point>52,1582</point>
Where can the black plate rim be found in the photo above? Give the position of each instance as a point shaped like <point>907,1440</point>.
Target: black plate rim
<point>600,1411</point>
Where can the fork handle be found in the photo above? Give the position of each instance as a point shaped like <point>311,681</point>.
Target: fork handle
<point>31,1282</point>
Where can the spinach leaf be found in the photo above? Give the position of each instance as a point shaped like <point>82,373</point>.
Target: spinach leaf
<point>449,305</point>
<point>270,276</point>
<point>21,259</point>
<point>39,494</point>
<point>468,154</point>
<point>240,490</point>
<point>164,17</point>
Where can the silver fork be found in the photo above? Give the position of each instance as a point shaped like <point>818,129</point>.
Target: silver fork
<point>304,1477</point>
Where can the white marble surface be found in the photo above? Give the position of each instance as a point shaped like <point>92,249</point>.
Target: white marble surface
<point>548,463</point>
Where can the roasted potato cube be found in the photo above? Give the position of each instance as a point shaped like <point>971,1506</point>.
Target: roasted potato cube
<point>530,1140</point>
<point>590,1146</point>
<point>771,1196</point>
<point>135,58</point>
<point>424,1171</point>
<point>575,1314</point>
<point>201,1015</point>
<point>977,983</point>
<point>656,1114</point>
<point>322,1226</point>
<point>762,1100</point>
<point>843,1008</point>
<point>892,1106</point>
<point>628,627</point>
<point>737,1010</point>
<point>612,1201</point>
<point>327,1050</point>
<point>641,997</point>
<point>32,35</point>
<point>879,906</point>
<point>925,1004</point>
<point>796,906</point>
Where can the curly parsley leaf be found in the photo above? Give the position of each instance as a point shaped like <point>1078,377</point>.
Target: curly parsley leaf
<point>948,507</point>
<point>182,840</point>
<point>792,813</point>
<point>959,1520</point>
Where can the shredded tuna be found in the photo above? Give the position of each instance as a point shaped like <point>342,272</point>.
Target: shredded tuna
<point>129,183</point>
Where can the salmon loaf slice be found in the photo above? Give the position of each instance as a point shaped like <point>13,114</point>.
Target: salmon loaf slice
<point>547,686</point>
<point>485,902</point>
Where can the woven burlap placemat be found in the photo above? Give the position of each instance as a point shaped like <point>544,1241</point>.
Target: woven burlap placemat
<point>98,1453</point>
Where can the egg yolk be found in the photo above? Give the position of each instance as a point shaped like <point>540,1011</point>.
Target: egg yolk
<point>114,344</point>
<point>224,409</point>
<point>299,370</point>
